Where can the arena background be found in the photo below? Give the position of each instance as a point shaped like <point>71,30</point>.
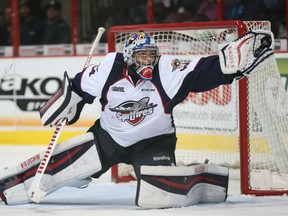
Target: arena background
<point>29,75</point>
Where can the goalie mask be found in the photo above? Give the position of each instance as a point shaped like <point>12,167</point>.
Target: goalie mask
<point>141,54</point>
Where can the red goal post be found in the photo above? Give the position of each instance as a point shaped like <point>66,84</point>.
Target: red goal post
<point>234,125</point>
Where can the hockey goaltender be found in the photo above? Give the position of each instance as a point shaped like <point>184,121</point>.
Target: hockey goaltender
<point>138,90</point>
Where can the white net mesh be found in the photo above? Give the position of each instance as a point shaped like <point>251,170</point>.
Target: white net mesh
<point>208,123</point>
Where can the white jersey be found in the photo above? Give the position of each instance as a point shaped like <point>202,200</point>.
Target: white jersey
<point>133,112</point>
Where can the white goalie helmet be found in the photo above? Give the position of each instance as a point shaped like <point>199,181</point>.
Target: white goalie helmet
<point>141,41</point>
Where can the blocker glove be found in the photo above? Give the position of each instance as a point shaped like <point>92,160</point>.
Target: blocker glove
<point>65,104</point>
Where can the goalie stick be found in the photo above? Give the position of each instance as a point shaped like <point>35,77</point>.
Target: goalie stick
<point>35,193</point>
<point>101,30</point>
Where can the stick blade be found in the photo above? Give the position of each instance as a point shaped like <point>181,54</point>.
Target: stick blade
<point>35,194</point>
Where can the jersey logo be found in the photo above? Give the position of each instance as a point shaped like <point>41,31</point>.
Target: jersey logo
<point>95,68</point>
<point>134,112</point>
<point>179,64</point>
<point>175,63</point>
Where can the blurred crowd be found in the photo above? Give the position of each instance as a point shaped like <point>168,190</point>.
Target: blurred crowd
<point>34,27</point>
<point>47,26</point>
<point>5,27</point>
<point>206,10</point>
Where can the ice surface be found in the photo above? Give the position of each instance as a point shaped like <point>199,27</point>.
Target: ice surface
<point>102,197</point>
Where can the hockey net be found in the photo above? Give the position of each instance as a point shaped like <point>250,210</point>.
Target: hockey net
<point>243,126</point>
